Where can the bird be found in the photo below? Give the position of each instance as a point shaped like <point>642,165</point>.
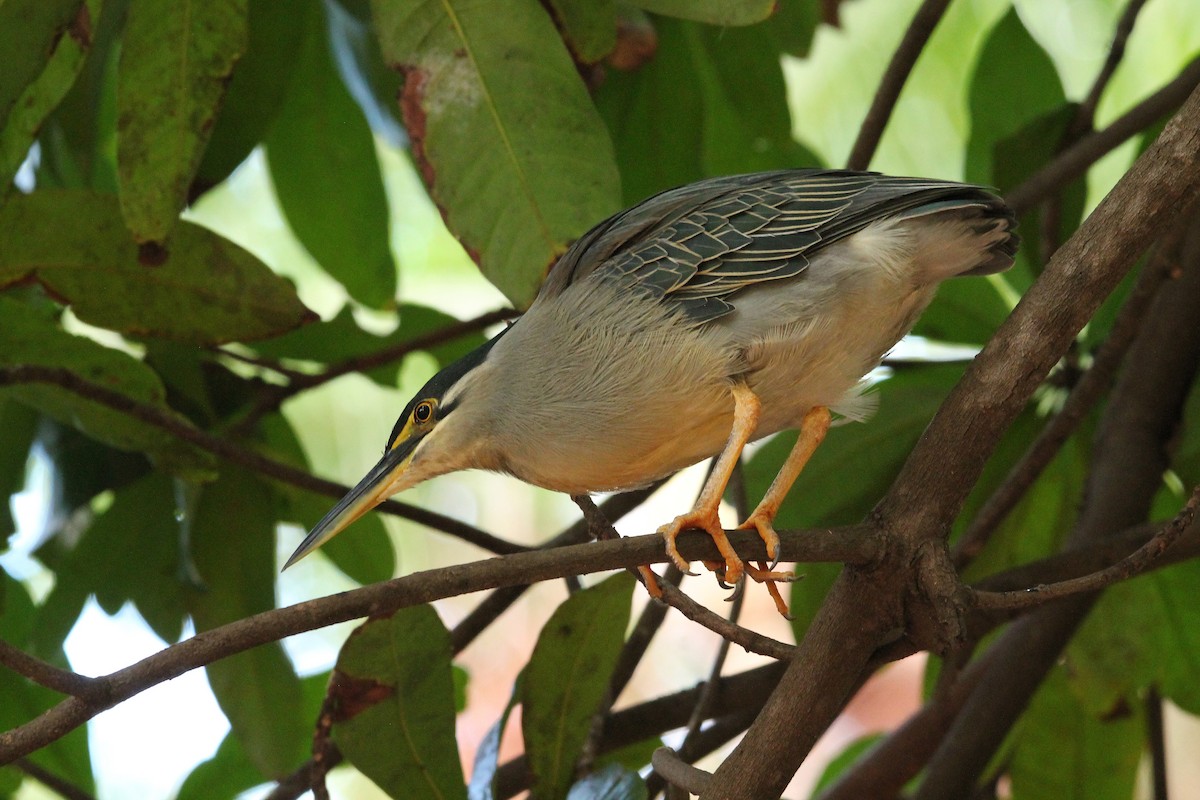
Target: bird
<point>701,319</point>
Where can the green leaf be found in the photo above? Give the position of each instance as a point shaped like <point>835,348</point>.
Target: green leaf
<point>794,24</point>
<point>341,339</point>
<point>366,555</point>
<point>487,755</point>
<point>234,550</point>
<point>130,553</point>
<point>177,57</point>
<point>567,677</point>
<point>1142,632</point>
<point>256,93</point>
<point>1065,753</point>
<point>45,43</point>
<point>965,311</point>
<point>846,759</point>
<point>505,135</point>
<point>589,27</point>
<point>730,116</point>
<point>610,783</point>
<point>226,775</point>
<point>28,338</point>
<point>203,289</point>
<point>18,425</point>
<point>714,12</point>
<point>1003,100</point>
<point>395,706</point>
<point>872,452</point>
<point>334,202</point>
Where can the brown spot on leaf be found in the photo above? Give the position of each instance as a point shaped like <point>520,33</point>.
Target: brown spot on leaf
<point>412,110</point>
<point>637,42</point>
<point>152,254</point>
<point>81,27</point>
<point>351,696</point>
<point>1120,710</point>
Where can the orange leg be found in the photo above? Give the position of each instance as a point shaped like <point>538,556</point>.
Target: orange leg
<point>746,412</point>
<point>812,433</point>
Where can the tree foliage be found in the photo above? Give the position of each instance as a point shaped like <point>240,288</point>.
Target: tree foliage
<point>986,515</point>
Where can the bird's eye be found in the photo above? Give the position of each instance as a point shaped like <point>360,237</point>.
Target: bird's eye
<point>423,412</point>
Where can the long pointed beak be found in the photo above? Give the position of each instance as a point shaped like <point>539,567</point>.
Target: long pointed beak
<point>372,490</point>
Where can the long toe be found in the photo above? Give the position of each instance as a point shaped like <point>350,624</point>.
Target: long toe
<point>708,522</point>
<point>765,526</point>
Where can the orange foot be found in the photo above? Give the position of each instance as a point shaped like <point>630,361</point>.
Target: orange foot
<point>707,521</point>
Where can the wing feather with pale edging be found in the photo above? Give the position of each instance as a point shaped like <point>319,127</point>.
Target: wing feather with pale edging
<point>695,246</point>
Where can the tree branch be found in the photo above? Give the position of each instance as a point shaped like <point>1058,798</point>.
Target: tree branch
<point>903,60</point>
<point>849,544</point>
<point>48,675</point>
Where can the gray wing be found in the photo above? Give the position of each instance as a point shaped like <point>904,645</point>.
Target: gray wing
<point>696,245</point>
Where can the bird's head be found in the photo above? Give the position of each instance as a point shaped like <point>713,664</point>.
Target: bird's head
<point>441,430</point>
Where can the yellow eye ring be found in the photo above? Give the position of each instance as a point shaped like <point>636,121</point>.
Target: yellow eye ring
<point>423,412</point>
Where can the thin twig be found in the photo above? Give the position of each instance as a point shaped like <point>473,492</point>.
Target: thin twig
<point>1083,397</point>
<point>852,544</point>
<point>1156,743</point>
<point>179,427</point>
<point>1075,160</point>
<point>1136,563</point>
<point>911,46</point>
<point>678,772</point>
<point>60,786</point>
<point>1086,113</point>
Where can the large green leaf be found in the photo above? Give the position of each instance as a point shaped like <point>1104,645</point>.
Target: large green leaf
<point>177,58</point>
<point>1003,99</point>
<point>505,135</point>
<point>131,553</point>
<point>394,712</point>
<point>730,116</point>
<point>256,93</point>
<point>1142,632</point>
<point>28,338</point>
<point>204,289</point>
<point>335,203</point>
<point>872,452</point>
<point>567,677</point>
<point>714,12</point>
<point>1063,752</point>
<point>226,775</point>
<point>44,43</point>
<point>234,550</point>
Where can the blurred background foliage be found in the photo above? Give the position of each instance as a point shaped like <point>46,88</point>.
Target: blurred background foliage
<point>214,208</point>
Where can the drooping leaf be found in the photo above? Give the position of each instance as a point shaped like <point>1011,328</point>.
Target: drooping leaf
<point>130,553</point>
<point>202,289</point>
<point>1066,753</point>
<point>487,755</point>
<point>335,204</point>
<point>260,83</point>
<point>365,556</point>
<point>370,82</point>
<point>794,24</point>
<point>233,547</point>
<point>394,706</point>
<point>1003,100</point>
<point>610,783</point>
<point>714,12</point>
<point>589,27</point>
<point>27,338</point>
<point>177,58</point>
<point>731,116</point>
<point>507,140</point>
<point>44,43</point>
<point>566,678</point>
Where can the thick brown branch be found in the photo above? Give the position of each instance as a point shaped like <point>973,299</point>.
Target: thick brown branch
<point>48,675</point>
<point>849,544</point>
<point>903,60</point>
